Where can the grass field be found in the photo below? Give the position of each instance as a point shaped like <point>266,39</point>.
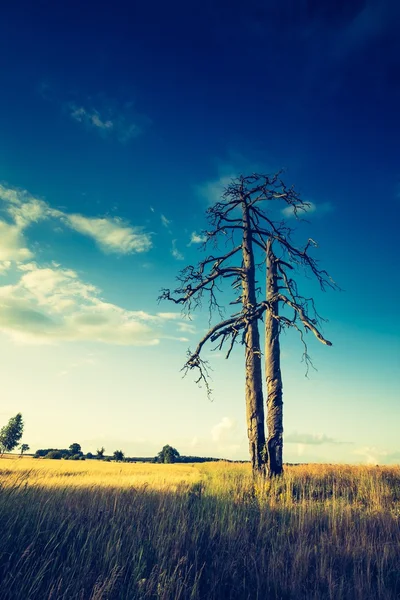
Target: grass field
<point>95,530</point>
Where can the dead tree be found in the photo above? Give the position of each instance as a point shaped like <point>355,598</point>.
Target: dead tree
<point>246,218</point>
<point>229,218</point>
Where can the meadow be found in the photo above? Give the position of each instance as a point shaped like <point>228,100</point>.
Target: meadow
<point>90,530</point>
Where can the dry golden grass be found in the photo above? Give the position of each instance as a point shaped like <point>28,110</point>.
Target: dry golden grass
<point>95,474</point>
<point>110,531</point>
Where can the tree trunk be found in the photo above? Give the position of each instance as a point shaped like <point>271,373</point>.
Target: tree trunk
<point>253,390</point>
<point>274,445</point>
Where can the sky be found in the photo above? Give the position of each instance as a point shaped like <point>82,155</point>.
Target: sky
<point>120,124</point>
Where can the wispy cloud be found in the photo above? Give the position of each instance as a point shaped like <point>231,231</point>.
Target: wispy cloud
<point>186,327</point>
<point>90,117</point>
<point>52,304</point>
<point>212,191</point>
<point>166,222</point>
<point>169,316</point>
<point>29,210</point>
<point>4,266</point>
<point>223,429</point>
<point>372,455</point>
<point>314,439</point>
<point>175,252</point>
<point>230,168</point>
<point>98,113</point>
<point>196,238</point>
<point>311,209</point>
<point>12,245</point>
<point>108,119</point>
<point>111,234</point>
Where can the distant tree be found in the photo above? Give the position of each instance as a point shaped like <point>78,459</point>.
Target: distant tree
<point>55,455</point>
<point>168,455</point>
<point>24,448</point>
<point>100,452</point>
<point>75,448</point>
<point>11,433</point>
<point>89,455</point>
<point>75,457</point>
<point>118,456</point>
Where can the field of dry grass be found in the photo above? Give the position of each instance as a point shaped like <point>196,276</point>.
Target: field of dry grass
<point>110,531</point>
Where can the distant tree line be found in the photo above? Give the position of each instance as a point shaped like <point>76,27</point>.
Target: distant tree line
<point>11,434</point>
<point>167,455</point>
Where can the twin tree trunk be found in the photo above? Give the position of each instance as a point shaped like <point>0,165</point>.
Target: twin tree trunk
<point>263,453</point>
<point>253,390</point>
<point>273,371</point>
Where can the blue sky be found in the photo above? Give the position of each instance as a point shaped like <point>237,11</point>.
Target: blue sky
<point>118,127</point>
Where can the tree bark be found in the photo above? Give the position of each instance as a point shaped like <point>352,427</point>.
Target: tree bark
<point>274,446</point>
<point>253,386</point>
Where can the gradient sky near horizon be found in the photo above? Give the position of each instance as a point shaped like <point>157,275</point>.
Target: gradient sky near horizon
<point>119,124</point>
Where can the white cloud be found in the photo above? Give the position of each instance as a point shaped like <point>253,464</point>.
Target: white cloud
<point>183,326</point>
<point>90,117</point>
<point>166,222</point>
<point>170,316</point>
<point>300,449</point>
<point>12,195</point>
<point>223,430</point>
<point>175,252</point>
<point>4,266</point>
<point>312,208</point>
<point>212,191</point>
<point>12,244</point>
<point>186,327</point>
<point>107,121</point>
<point>111,234</point>
<point>371,455</point>
<point>52,304</point>
<point>194,442</point>
<point>31,211</point>
<point>196,238</point>
<point>314,439</point>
